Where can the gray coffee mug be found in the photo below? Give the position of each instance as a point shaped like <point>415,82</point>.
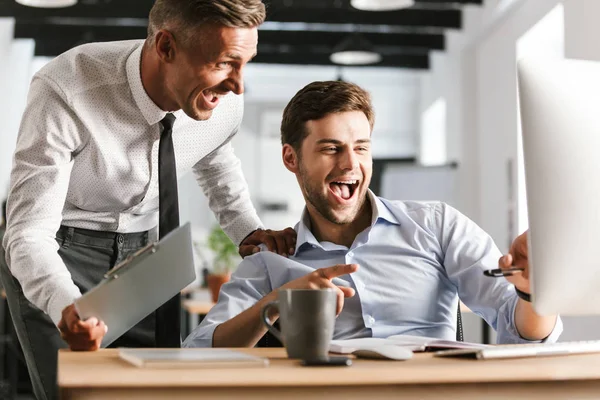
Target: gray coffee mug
<point>307,320</point>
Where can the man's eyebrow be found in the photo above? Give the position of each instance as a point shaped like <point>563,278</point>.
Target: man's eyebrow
<point>329,141</point>
<point>338,142</point>
<point>237,57</point>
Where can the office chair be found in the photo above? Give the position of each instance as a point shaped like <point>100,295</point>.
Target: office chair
<point>268,340</point>
<point>459,326</point>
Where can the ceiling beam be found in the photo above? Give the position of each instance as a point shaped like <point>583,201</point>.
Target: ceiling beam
<point>345,4</point>
<point>398,61</point>
<point>295,56</point>
<point>328,38</point>
<point>90,32</point>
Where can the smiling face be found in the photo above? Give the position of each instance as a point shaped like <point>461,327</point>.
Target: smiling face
<point>334,165</point>
<point>207,68</point>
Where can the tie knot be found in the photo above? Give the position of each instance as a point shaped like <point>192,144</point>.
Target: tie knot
<point>167,122</point>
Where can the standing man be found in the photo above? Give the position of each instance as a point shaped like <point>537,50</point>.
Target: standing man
<point>107,129</point>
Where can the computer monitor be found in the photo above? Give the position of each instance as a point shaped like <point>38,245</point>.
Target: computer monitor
<point>560,119</point>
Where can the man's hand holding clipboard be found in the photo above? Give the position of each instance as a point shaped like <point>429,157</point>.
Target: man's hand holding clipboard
<point>81,335</point>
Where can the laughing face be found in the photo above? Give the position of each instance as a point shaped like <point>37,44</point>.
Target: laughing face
<point>334,166</point>
<point>210,69</point>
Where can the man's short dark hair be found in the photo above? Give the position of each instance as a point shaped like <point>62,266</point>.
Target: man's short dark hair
<point>317,100</point>
<point>184,17</point>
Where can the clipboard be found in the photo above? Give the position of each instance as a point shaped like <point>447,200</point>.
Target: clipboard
<point>140,284</point>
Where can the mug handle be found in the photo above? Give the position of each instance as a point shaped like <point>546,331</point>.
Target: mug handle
<point>265,319</point>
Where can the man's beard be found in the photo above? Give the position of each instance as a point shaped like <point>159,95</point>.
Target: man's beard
<point>319,201</point>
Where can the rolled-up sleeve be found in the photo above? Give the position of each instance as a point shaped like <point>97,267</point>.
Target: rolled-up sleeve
<point>248,285</point>
<point>507,331</point>
<point>468,250</point>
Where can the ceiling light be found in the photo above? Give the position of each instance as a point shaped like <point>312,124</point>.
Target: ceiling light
<point>381,5</point>
<point>355,50</point>
<point>47,3</point>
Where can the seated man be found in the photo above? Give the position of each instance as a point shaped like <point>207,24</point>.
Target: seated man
<point>399,266</point>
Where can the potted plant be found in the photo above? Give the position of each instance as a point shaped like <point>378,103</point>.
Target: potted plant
<point>225,260</point>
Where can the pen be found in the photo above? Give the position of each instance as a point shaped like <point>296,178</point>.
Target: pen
<point>497,273</point>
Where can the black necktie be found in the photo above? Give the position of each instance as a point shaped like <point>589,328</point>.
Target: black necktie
<point>168,316</point>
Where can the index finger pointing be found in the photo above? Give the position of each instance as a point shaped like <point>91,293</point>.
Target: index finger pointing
<point>337,270</point>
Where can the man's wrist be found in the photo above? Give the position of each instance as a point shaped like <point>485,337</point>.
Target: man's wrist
<point>273,296</point>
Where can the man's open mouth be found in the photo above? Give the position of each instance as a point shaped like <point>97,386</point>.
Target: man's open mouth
<point>212,97</point>
<point>344,189</point>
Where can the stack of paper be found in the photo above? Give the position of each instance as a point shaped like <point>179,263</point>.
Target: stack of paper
<point>191,358</point>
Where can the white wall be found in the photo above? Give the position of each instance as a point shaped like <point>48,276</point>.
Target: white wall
<point>498,118</point>
<point>545,39</point>
<point>582,29</point>
<point>476,76</point>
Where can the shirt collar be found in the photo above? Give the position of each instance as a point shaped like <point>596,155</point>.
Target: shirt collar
<point>380,210</point>
<point>305,237</point>
<point>151,112</point>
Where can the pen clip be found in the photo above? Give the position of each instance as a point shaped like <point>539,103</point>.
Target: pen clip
<point>144,251</point>
<point>498,272</point>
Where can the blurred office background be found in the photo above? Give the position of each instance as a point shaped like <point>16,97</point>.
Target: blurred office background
<point>444,90</point>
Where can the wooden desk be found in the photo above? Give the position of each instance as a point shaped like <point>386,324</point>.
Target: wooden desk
<point>102,375</point>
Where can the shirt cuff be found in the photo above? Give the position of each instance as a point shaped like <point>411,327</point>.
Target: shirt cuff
<point>551,338</point>
<point>556,331</point>
<point>240,230</point>
<point>248,235</point>
<point>202,336</point>
<point>61,299</point>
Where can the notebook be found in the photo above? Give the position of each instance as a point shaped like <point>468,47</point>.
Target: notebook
<point>414,343</point>
<point>191,358</point>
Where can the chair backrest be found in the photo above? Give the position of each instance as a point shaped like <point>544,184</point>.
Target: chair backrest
<point>268,340</point>
<point>459,327</point>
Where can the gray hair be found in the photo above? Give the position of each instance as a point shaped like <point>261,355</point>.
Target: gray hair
<point>184,17</point>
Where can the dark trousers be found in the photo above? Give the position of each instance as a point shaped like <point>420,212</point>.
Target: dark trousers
<point>88,255</point>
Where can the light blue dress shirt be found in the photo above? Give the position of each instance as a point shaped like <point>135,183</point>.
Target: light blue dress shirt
<point>416,260</point>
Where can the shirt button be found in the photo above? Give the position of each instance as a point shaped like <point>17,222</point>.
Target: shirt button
<point>350,254</point>
<point>371,320</point>
<point>120,238</point>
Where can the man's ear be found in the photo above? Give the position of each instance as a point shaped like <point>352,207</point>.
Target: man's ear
<point>164,43</point>
<point>290,158</point>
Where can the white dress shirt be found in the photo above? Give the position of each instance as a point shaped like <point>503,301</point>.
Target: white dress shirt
<point>87,157</point>
<point>416,260</point>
